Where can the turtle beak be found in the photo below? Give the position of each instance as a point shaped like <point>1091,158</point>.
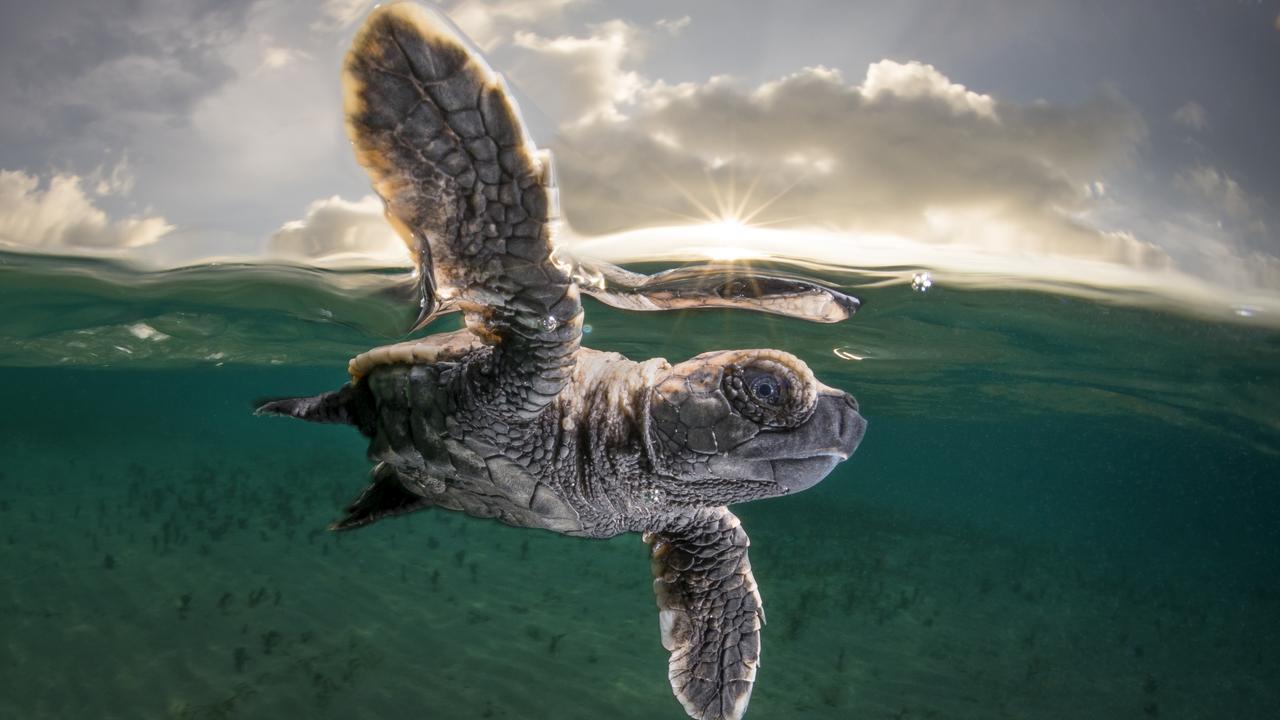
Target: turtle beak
<point>798,458</point>
<point>829,437</point>
<point>842,409</point>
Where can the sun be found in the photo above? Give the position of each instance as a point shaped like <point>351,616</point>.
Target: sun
<point>729,236</point>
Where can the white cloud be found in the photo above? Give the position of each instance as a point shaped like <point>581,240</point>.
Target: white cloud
<point>1219,189</point>
<point>115,180</point>
<point>260,141</point>
<point>59,217</point>
<point>340,230</point>
<point>673,26</point>
<point>275,58</point>
<point>918,81</point>
<point>341,14</point>
<point>904,152</point>
<point>580,79</point>
<point>1192,115</point>
<point>489,23</point>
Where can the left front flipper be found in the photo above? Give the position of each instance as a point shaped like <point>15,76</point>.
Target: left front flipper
<point>710,612</point>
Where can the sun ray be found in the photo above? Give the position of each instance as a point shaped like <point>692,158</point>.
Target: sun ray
<point>690,219</point>
<point>716,197</point>
<point>741,210</point>
<point>689,197</point>
<point>777,196</point>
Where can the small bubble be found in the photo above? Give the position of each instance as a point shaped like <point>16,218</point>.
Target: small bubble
<point>586,329</point>
<point>549,323</point>
<point>654,496</point>
<point>921,282</point>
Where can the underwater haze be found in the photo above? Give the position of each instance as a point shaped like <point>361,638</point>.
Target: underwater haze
<point>1063,508</point>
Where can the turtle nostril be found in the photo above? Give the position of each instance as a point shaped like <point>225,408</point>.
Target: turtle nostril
<point>851,401</point>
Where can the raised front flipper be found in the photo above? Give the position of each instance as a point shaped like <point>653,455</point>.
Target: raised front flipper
<point>709,286</point>
<point>716,286</point>
<point>709,611</point>
<point>464,188</point>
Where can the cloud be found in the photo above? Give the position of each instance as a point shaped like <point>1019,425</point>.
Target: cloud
<point>340,14</point>
<point>59,217</point>
<point>580,79</point>
<point>337,229</point>
<point>1221,191</point>
<point>1192,114</point>
<point>110,65</point>
<point>276,58</point>
<point>905,151</point>
<point>489,23</point>
<point>1222,224</point>
<point>122,78</point>
<point>115,180</point>
<point>673,26</point>
<point>917,81</point>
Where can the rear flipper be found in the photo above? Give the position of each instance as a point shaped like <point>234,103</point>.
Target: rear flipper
<point>386,496</point>
<point>709,611</point>
<point>353,404</point>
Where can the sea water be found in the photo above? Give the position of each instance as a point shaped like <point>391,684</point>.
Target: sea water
<point>1062,508</point>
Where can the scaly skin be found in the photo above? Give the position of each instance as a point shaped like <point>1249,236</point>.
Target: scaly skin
<point>511,418</point>
<point>463,185</point>
<point>623,444</point>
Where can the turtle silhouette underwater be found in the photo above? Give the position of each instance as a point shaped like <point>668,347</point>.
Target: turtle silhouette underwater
<point>510,418</point>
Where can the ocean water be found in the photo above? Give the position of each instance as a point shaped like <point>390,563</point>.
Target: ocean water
<point>1063,508</point>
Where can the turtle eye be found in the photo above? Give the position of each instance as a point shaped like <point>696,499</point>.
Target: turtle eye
<point>767,389</point>
<point>767,392</point>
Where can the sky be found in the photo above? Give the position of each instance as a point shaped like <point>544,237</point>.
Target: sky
<point>1088,137</point>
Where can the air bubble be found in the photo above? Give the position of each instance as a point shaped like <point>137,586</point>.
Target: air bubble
<point>548,323</point>
<point>921,282</point>
<point>654,496</point>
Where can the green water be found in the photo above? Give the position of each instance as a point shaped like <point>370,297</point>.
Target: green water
<point>1062,509</point>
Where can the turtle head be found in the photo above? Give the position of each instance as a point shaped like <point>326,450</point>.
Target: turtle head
<point>735,425</point>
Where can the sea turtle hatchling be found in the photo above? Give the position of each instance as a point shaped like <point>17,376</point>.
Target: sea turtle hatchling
<point>510,418</point>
